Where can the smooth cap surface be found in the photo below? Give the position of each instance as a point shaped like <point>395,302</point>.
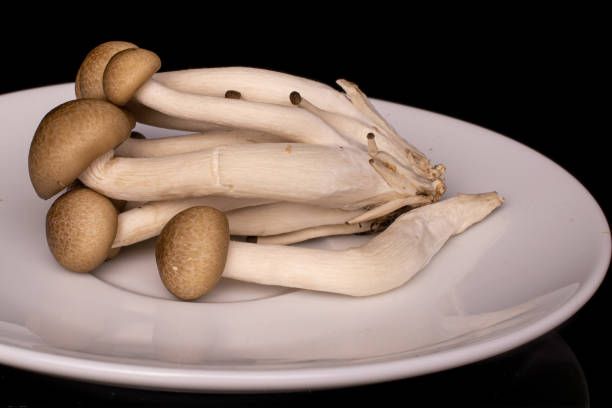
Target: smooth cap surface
<point>70,137</point>
<point>127,71</point>
<point>192,250</point>
<point>81,226</point>
<point>88,82</point>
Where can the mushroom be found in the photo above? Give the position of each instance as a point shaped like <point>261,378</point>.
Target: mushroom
<point>352,109</point>
<point>70,137</point>
<point>69,232</point>
<point>346,182</point>
<point>81,226</point>
<point>156,147</point>
<point>191,251</point>
<point>195,95</point>
<point>351,114</point>
<point>89,78</point>
<point>298,125</point>
<point>385,262</point>
<point>360,178</point>
<point>126,71</point>
<point>285,121</point>
<point>130,69</point>
<point>87,128</point>
<point>79,131</point>
<point>75,133</point>
<point>255,84</point>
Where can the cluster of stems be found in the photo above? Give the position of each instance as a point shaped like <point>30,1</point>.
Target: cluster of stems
<point>285,158</point>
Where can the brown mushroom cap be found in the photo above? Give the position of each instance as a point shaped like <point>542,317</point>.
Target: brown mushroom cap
<point>70,137</point>
<point>127,71</point>
<point>81,227</point>
<point>191,251</point>
<point>88,82</point>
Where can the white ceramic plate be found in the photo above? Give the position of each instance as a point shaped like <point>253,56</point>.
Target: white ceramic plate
<point>522,271</point>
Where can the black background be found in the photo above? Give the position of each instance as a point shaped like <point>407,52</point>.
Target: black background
<point>536,76</point>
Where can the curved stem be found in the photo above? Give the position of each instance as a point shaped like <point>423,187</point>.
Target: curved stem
<point>246,217</point>
<point>383,263</point>
<point>151,117</point>
<point>260,85</point>
<point>146,221</point>
<point>285,121</point>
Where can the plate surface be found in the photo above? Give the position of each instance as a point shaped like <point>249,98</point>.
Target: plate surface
<point>521,272</point>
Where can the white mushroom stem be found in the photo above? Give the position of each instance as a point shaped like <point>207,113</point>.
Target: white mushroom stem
<point>283,217</point>
<point>286,121</point>
<point>305,234</point>
<point>148,116</point>
<point>308,125</point>
<point>152,117</point>
<point>171,145</point>
<point>147,220</point>
<point>337,177</point>
<point>260,85</point>
<point>246,217</point>
<point>384,263</point>
<point>352,119</point>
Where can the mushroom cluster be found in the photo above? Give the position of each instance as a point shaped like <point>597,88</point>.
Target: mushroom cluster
<point>270,157</point>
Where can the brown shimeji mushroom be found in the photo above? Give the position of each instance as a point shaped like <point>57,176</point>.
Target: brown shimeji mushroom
<point>88,82</point>
<point>190,253</point>
<point>260,220</point>
<point>264,105</point>
<point>82,230</point>
<point>84,130</point>
<point>70,137</point>
<point>81,227</point>
<point>287,147</point>
<point>62,134</point>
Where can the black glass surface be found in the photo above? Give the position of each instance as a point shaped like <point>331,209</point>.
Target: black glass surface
<point>537,78</point>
